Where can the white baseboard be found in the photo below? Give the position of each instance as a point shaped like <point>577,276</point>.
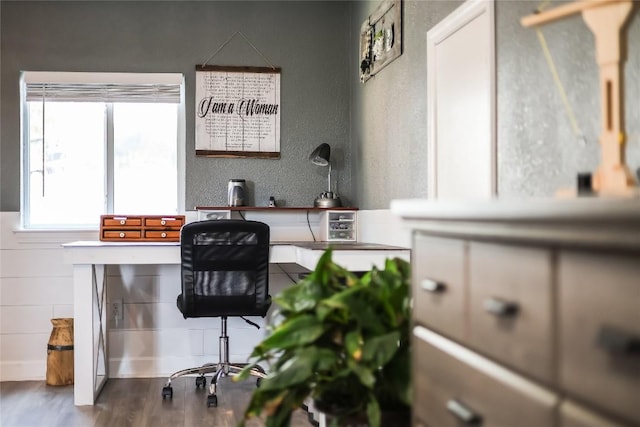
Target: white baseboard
<point>32,370</point>
<point>141,367</point>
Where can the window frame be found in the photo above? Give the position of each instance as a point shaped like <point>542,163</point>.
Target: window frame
<point>79,77</point>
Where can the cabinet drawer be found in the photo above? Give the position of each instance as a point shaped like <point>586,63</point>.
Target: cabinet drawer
<point>574,415</point>
<point>510,310</point>
<point>454,386</point>
<point>160,234</point>
<point>599,315</point>
<point>163,222</point>
<point>341,235</point>
<point>121,234</point>
<point>121,221</point>
<point>438,284</point>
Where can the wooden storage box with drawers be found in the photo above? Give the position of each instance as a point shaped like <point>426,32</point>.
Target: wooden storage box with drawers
<point>145,228</point>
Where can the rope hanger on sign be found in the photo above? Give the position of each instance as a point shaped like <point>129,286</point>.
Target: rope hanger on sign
<point>248,42</point>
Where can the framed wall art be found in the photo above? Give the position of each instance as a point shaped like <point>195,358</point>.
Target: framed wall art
<point>380,38</point>
<point>237,111</point>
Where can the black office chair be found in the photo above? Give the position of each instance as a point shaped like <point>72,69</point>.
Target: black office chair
<point>225,272</point>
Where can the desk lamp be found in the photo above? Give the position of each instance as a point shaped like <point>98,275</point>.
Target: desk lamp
<point>321,157</point>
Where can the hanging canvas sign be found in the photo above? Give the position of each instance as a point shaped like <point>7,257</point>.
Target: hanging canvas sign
<point>237,111</point>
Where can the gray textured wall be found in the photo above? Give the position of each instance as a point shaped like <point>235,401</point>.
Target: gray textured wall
<point>378,129</point>
<point>389,127</point>
<point>537,153</point>
<point>307,39</point>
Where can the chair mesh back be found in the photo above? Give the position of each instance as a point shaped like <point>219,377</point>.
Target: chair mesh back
<point>225,268</point>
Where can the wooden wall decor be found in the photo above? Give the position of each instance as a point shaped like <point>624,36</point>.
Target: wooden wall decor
<point>606,19</point>
<point>237,111</point>
<point>380,38</point>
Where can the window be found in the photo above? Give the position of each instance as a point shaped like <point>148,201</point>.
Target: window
<point>97,143</point>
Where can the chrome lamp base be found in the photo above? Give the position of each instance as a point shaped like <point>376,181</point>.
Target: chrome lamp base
<point>327,199</point>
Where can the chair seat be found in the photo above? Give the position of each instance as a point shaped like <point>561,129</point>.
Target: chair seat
<point>217,306</point>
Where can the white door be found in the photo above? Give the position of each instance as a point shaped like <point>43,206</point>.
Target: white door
<point>461,103</point>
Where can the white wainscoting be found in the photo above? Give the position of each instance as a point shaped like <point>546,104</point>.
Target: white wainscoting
<point>153,339</point>
<point>383,227</point>
<point>35,286</point>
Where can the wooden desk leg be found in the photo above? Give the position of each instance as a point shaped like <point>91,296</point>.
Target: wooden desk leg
<point>90,329</point>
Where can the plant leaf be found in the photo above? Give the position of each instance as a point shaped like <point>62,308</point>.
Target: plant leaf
<point>295,332</point>
<point>326,360</point>
<point>381,349</point>
<point>364,374</point>
<point>353,344</point>
<point>397,376</point>
<point>300,297</point>
<point>295,370</point>
<point>373,412</point>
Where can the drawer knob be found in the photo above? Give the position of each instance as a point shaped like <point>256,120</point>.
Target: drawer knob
<point>432,286</point>
<point>123,221</point>
<point>500,307</point>
<point>163,235</point>
<point>163,222</point>
<point>463,412</point>
<point>122,234</point>
<point>616,341</point>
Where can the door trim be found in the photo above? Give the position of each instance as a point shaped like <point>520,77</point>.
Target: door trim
<point>460,17</point>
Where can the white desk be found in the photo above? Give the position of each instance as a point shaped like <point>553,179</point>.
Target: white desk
<point>90,291</point>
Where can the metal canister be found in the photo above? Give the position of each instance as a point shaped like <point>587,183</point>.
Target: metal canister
<point>236,192</point>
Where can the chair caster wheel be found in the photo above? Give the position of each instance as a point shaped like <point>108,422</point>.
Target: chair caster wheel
<point>212,400</point>
<point>201,381</point>
<point>167,392</point>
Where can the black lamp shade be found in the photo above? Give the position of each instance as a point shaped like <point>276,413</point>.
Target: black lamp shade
<point>321,155</point>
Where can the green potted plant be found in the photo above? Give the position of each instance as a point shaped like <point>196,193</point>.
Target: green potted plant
<point>342,341</point>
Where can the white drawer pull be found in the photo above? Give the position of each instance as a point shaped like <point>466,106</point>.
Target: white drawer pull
<point>463,413</point>
<point>500,307</point>
<point>432,286</point>
<point>163,235</point>
<point>122,234</point>
<point>163,222</point>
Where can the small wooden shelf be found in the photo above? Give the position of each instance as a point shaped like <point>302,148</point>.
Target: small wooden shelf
<point>336,224</point>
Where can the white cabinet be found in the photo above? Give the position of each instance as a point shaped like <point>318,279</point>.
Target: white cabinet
<point>339,225</point>
<point>526,313</point>
<point>322,224</point>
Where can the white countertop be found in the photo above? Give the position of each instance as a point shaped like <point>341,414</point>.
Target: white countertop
<point>581,208</point>
<point>355,256</point>
<point>607,223</point>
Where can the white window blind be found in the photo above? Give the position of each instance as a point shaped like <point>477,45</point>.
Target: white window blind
<point>103,87</point>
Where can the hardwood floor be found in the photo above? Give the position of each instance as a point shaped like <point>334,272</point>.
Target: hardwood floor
<point>128,402</point>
